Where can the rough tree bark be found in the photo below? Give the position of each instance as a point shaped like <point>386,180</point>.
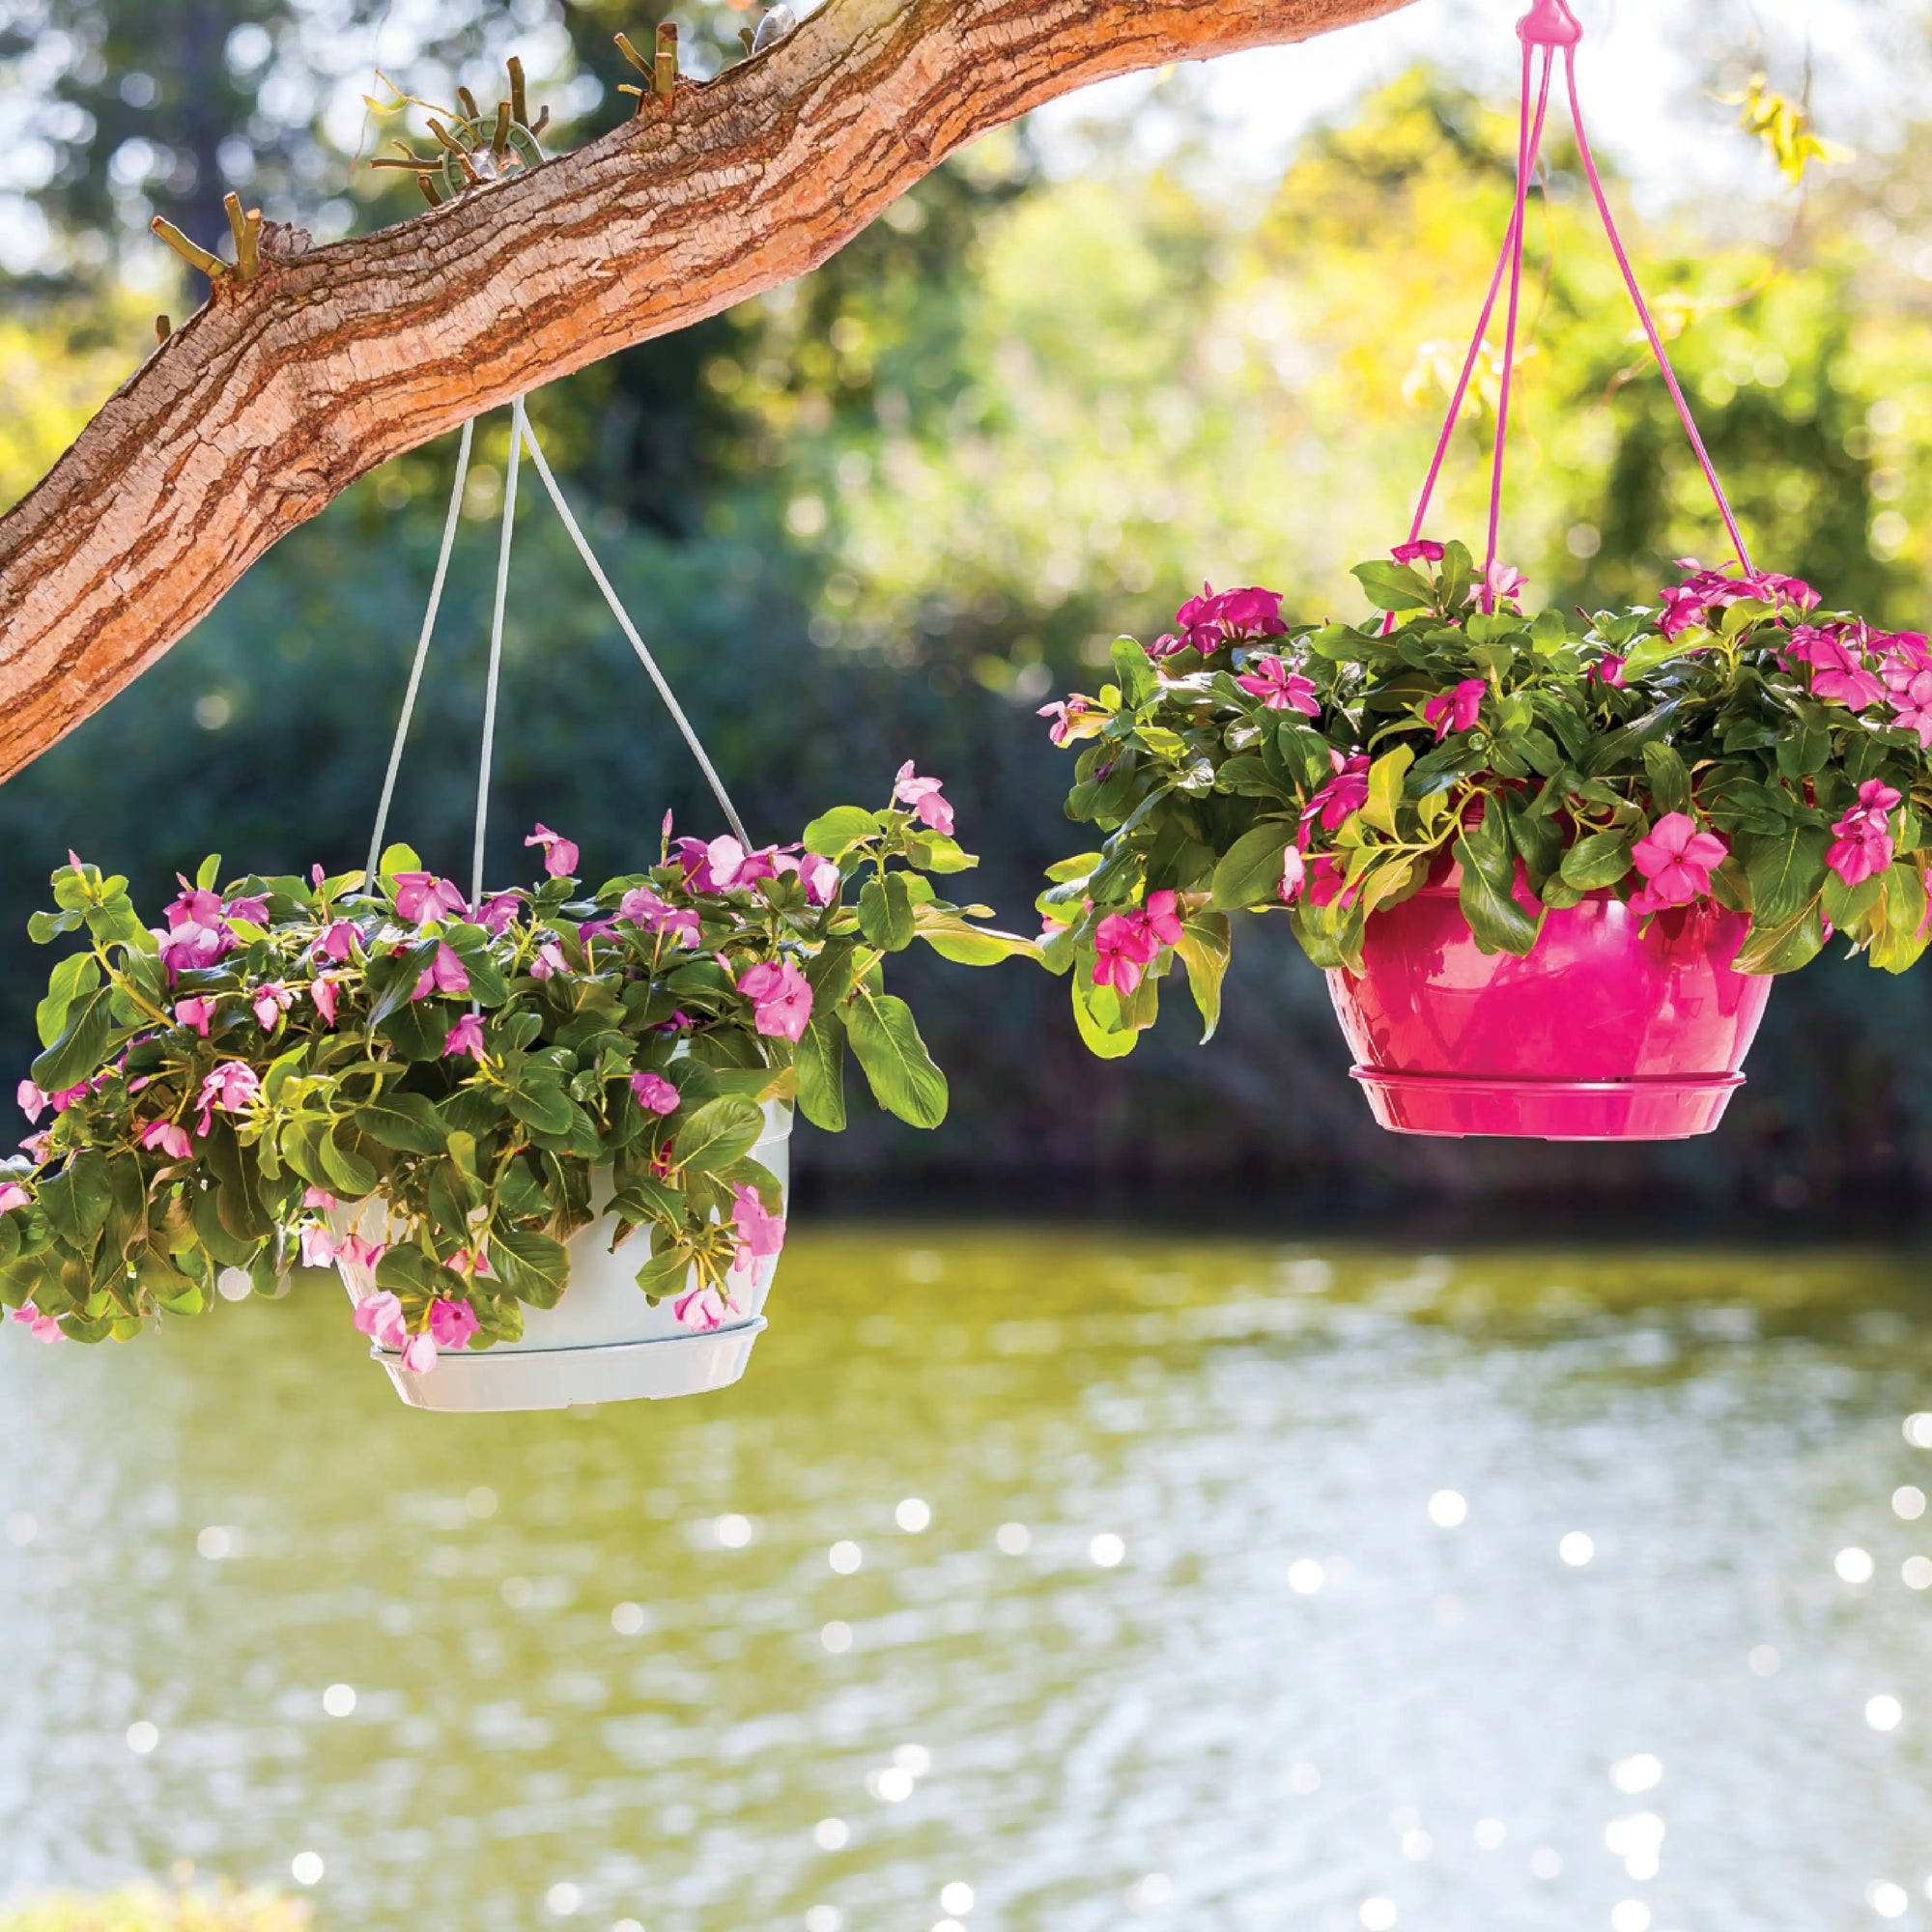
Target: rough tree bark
<point>279,394</point>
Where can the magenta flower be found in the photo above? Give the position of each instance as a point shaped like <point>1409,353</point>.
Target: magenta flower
<point>1608,670</point>
<point>337,940</point>
<point>1420,552</point>
<point>421,897</point>
<point>254,910</point>
<point>1294,876</point>
<point>1838,667</point>
<point>1455,710</point>
<point>32,1102</point>
<point>270,1003</point>
<point>654,1093</point>
<point>781,999</point>
<point>59,1102</point>
<point>1124,947</point>
<point>1504,581</point>
<point>465,1036</point>
<point>1062,729</point>
<point>322,992</point>
<point>703,1309</point>
<point>1676,861</point>
<point>172,1140</point>
<point>420,1354</point>
<point>195,1013</point>
<point>1279,688</point>
<point>1340,799</point>
<point>760,1232</point>
<point>194,905</point>
<point>1863,846</point>
<point>231,1087</point>
<point>41,1328</point>
<point>446,974</point>
<point>498,910</point>
<point>559,854</point>
<point>1208,622</point>
<point>643,908</point>
<point>1162,917</point>
<point>922,795</point>
<point>451,1324</point>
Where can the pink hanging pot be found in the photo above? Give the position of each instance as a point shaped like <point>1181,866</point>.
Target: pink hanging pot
<point>1615,1028</point>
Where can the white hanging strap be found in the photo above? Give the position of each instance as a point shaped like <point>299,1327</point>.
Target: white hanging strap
<point>629,629</point>
<point>519,429</point>
<point>422,649</point>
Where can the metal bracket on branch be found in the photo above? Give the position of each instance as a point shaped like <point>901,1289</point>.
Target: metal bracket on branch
<point>472,147</point>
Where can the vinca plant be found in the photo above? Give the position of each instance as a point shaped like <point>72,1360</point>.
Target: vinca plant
<point>217,1091</point>
<point>1733,748</point>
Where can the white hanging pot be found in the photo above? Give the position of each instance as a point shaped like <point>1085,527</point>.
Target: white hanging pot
<point>603,1342</point>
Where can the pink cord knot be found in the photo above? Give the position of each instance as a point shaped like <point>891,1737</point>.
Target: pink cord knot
<point>1549,23</point>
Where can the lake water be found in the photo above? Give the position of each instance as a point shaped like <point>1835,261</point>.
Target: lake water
<point>1191,1635</point>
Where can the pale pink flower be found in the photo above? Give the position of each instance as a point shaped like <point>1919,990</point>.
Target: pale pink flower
<point>1455,710</point>
<point>760,1231</point>
<point>172,1140</point>
<point>1676,861</point>
<point>465,1036</point>
<point>1062,729</point>
<point>559,854</point>
<point>644,908</point>
<point>337,940</point>
<point>780,998</point>
<point>1279,688</point>
<point>270,1003</point>
<point>32,1102</point>
<point>195,905</point>
<point>320,1197</point>
<point>13,1195</point>
<point>1504,581</point>
<point>446,974</point>
<point>468,1263</point>
<point>703,1309</point>
<point>318,1247</point>
<point>498,910</point>
<point>819,877</point>
<point>322,992</point>
<point>1294,876</point>
<point>41,1328</point>
<point>195,1013</point>
<point>253,910</point>
<point>187,948</point>
<point>451,1324</point>
<point>420,1354</point>
<point>421,896</point>
<point>231,1087</point>
<point>356,1261</point>
<point>549,962</point>
<point>654,1093</point>
<point>379,1315</point>
<point>922,795</point>
<point>729,865</point>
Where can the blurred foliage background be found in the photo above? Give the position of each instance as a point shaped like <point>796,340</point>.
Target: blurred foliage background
<point>885,512</point>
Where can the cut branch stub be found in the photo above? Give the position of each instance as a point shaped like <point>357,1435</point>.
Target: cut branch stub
<point>259,411</point>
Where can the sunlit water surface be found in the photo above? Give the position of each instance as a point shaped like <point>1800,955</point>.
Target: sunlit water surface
<point>1190,1636</point>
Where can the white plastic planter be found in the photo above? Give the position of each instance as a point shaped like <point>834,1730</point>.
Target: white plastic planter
<point>603,1342</point>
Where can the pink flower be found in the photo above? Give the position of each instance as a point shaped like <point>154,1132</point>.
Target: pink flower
<point>653,1092</point>
<point>1862,838</point>
<point>337,940</point>
<point>187,948</point>
<point>420,1354</point>
<point>1279,688</point>
<point>1294,876</point>
<point>1676,861</point>
<point>498,910</point>
<point>701,1308</point>
<point>195,1013</point>
<point>559,854</point>
<point>1061,731</point>
<point>195,905</point>
<point>379,1315</point>
<point>781,999</point>
<point>1162,917</point>
<point>1505,582</point>
<point>446,974</point>
<point>549,962</point>
<point>1327,882</point>
<point>231,1087</point>
<point>356,1261</point>
<point>760,1231</point>
<point>1124,948</point>
<point>322,992</point>
<point>320,1197</point>
<point>32,1102</point>
<point>1340,799</point>
<point>254,911</point>
<point>421,896</point>
<point>41,1328</point>
<point>1208,622</point>
<point>1609,668</point>
<point>820,876</point>
<point>172,1140</point>
<point>1420,552</point>
<point>922,795</point>
<point>1455,710</point>
<point>468,1263</point>
<point>1838,669</point>
<point>465,1036</point>
<point>270,1003</point>
<point>13,1195</point>
<point>318,1247</point>
<point>642,907</point>
<point>451,1324</point>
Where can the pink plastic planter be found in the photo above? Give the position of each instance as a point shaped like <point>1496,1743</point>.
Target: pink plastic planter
<point>1607,1031</point>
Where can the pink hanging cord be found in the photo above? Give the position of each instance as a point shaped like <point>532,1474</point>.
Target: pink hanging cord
<point>1550,25</point>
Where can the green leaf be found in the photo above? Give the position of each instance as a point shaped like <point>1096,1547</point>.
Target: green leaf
<point>1598,861</point>
<point>419,1028</point>
<point>1785,946</point>
<point>398,859</point>
<point>80,1049</point>
<point>77,1199</point>
<point>901,1071</point>
<point>935,852</point>
<point>819,1061</point>
<point>533,1266</point>
<point>885,913</point>
<point>1203,949</point>
<point>665,1272</point>
<point>1669,781</point>
<point>1139,681</point>
<point>408,1123</point>
<point>718,1133</point>
<point>1786,876</point>
<point>542,1104</point>
<point>1385,777</point>
<point>832,833</point>
<point>1392,586</point>
<point>348,1173</point>
<point>1103,1041</point>
<point>1250,872</point>
<point>77,974</point>
<point>1488,894</point>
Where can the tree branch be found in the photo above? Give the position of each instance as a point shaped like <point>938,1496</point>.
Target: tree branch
<point>283,390</point>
